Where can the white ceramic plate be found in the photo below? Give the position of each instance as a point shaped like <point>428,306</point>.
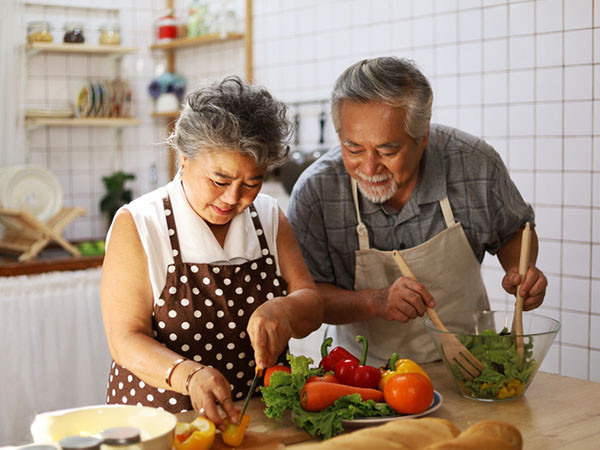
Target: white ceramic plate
<point>33,189</point>
<point>371,421</point>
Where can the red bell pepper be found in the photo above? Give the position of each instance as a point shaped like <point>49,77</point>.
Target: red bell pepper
<point>355,373</point>
<point>330,360</point>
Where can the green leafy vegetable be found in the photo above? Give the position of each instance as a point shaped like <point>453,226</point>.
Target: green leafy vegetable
<point>504,374</point>
<point>283,394</point>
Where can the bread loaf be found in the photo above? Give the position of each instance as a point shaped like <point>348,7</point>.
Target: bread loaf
<point>428,433</point>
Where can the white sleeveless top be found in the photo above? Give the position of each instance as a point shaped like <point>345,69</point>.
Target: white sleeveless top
<point>197,242</point>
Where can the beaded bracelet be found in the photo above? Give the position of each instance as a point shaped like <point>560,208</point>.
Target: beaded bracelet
<point>171,369</point>
<point>189,378</point>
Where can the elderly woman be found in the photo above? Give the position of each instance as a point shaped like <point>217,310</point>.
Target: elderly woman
<point>203,279</point>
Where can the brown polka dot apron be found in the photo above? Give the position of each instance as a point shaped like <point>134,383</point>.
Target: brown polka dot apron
<point>202,314</point>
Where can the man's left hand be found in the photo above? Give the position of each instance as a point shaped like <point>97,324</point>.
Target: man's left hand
<point>533,288</point>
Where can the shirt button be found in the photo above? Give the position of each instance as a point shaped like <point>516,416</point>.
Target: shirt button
<point>402,246</point>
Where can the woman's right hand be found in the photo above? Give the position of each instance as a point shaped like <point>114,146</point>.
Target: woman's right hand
<point>207,388</point>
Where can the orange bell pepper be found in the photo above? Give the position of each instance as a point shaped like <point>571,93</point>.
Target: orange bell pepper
<point>399,366</point>
<point>197,435</point>
<point>234,434</point>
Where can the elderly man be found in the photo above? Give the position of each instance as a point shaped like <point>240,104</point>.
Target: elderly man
<point>398,182</point>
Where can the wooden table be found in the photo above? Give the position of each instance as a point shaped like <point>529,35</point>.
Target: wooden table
<point>556,413</point>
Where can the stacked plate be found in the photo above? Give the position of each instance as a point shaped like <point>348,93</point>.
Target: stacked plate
<point>32,189</point>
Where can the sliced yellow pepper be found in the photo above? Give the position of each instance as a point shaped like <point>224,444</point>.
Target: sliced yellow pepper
<point>197,435</point>
<point>234,434</point>
<point>400,366</point>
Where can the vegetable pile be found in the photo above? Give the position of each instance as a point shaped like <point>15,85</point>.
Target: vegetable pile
<point>284,392</point>
<point>504,374</point>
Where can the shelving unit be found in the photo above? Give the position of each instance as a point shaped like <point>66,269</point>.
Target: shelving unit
<point>116,122</point>
<point>49,47</point>
<point>207,39</point>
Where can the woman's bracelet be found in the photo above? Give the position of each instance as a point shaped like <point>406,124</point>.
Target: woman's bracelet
<point>171,369</point>
<point>189,378</point>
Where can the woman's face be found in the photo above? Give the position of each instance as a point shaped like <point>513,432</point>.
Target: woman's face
<point>221,184</point>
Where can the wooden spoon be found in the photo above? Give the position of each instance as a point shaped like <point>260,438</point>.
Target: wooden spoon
<point>517,326</point>
<point>454,350</point>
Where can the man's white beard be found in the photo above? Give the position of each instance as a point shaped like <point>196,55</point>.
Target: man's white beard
<point>377,194</point>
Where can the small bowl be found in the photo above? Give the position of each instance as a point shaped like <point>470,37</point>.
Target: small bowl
<point>157,427</point>
<point>486,334</point>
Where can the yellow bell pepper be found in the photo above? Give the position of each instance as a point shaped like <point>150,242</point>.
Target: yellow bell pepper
<point>234,434</point>
<point>400,366</point>
<point>197,435</point>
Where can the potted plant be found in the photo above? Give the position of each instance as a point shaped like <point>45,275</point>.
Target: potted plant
<point>117,195</point>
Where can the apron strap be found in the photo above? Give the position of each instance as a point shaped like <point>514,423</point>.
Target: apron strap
<point>447,212</point>
<point>175,249</point>
<point>361,229</point>
<point>260,233</point>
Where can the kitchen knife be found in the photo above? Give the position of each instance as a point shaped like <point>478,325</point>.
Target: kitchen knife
<point>257,374</point>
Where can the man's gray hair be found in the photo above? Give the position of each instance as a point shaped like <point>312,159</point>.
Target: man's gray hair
<point>232,115</point>
<point>389,80</point>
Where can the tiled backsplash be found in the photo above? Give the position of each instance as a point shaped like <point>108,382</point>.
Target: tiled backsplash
<point>524,75</point>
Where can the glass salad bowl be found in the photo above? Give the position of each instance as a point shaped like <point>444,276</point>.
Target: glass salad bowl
<point>486,334</point>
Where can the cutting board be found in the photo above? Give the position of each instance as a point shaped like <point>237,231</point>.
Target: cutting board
<point>262,433</point>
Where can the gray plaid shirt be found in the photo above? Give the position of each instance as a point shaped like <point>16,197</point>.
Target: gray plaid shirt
<point>482,196</point>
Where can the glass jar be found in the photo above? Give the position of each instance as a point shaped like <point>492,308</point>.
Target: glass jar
<point>39,31</point>
<point>80,443</point>
<point>110,34</point>
<point>74,33</point>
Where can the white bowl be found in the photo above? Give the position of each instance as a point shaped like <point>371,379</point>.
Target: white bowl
<point>157,427</point>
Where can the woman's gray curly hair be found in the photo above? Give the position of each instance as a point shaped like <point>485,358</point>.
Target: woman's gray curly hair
<point>232,115</point>
<point>389,80</point>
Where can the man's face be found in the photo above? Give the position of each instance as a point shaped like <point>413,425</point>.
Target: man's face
<point>376,150</point>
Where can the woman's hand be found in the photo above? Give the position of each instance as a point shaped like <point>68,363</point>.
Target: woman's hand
<point>533,288</point>
<point>207,388</point>
<point>270,330</point>
<point>405,299</point>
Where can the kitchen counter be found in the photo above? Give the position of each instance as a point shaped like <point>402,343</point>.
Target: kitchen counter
<point>556,413</point>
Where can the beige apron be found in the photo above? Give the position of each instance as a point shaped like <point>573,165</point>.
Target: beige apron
<point>447,267</point>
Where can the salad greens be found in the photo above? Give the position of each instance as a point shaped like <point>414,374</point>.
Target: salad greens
<point>283,393</point>
<point>504,374</point>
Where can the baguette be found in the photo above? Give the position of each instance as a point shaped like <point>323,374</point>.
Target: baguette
<point>428,433</point>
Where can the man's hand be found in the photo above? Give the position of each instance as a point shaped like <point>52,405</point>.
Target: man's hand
<point>405,299</point>
<point>533,288</point>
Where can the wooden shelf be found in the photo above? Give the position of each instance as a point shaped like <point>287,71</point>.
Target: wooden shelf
<point>83,122</point>
<point>196,41</point>
<point>168,114</point>
<point>49,47</point>
<point>10,268</point>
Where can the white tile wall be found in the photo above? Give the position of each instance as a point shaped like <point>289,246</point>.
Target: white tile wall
<point>523,75</point>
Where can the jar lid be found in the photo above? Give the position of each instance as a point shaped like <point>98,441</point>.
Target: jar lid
<point>39,23</point>
<point>80,443</point>
<point>72,25</point>
<point>120,436</point>
<point>110,26</point>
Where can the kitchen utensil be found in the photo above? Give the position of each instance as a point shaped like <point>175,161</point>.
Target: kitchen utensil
<point>517,325</point>
<point>454,351</point>
<point>32,189</point>
<point>157,427</point>
<point>257,374</point>
<point>485,334</point>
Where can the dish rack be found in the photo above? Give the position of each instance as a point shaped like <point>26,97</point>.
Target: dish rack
<point>27,236</point>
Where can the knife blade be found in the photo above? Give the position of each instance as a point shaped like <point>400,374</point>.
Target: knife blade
<point>257,374</point>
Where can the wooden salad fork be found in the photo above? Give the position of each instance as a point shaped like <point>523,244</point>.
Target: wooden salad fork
<point>455,352</point>
<point>517,325</point>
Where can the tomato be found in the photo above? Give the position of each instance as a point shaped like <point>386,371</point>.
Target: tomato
<point>328,378</point>
<point>270,371</point>
<point>408,393</point>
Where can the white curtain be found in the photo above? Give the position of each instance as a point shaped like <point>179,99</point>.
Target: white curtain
<point>12,38</point>
<point>53,350</point>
